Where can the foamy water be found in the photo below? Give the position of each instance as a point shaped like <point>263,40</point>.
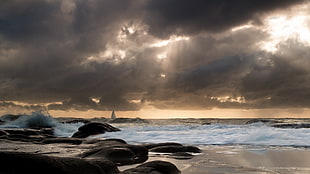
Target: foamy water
<point>187,133</point>
<point>219,134</point>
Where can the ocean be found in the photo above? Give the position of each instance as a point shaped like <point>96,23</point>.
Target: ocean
<point>243,146</point>
<point>256,132</point>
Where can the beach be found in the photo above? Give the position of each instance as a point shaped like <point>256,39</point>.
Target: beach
<point>167,146</point>
<point>213,159</point>
<point>244,159</point>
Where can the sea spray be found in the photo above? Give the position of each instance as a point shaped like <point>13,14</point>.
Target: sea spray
<point>38,119</point>
<point>66,129</point>
<point>42,119</point>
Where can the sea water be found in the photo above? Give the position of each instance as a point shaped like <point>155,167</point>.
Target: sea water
<point>217,134</point>
<point>190,131</point>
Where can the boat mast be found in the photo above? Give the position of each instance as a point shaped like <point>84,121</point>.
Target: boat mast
<point>113,116</point>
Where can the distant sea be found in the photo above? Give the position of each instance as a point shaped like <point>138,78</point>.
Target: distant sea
<point>256,132</point>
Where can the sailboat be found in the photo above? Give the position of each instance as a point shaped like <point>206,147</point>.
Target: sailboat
<point>113,116</point>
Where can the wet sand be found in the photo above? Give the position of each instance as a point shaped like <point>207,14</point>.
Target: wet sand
<point>243,160</point>
<point>213,159</point>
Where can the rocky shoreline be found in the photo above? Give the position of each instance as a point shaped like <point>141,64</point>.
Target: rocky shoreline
<point>36,150</point>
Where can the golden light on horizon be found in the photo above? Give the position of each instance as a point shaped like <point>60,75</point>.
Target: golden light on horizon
<point>170,113</point>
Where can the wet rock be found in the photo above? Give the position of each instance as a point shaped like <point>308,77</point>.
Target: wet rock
<point>292,126</point>
<point>181,155</point>
<point>3,132</point>
<point>262,121</point>
<point>25,138</point>
<point>75,141</point>
<point>4,137</point>
<point>27,135</point>
<point>118,155</point>
<point>46,131</point>
<point>174,149</point>
<point>102,142</point>
<point>128,120</point>
<point>2,122</point>
<point>19,162</point>
<point>154,167</point>
<point>93,129</point>
<point>122,154</point>
<point>77,121</point>
<point>150,146</point>
<point>141,153</point>
<point>26,132</point>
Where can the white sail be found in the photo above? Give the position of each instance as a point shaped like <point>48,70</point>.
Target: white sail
<point>113,116</point>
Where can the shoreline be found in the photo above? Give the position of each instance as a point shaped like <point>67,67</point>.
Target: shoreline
<point>214,159</point>
<point>138,141</point>
<point>244,159</point>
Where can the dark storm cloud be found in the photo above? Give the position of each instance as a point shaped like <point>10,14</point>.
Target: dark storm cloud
<point>263,79</point>
<point>282,81</point>
<point>191,17</point>
<point>68,51</point>
<point>43,44</point>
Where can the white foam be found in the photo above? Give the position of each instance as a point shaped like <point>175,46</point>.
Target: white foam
<point>43,119</point>
<point>35,119</point>
<point>66,129</point>
<point>220,134</point>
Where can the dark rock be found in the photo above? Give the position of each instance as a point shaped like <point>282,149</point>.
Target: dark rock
<point>2,122</point>
<point>93,129</point>
<point>118,155</point>
<point>292,125</point>
<point>115,140</point>
<point>122,154</point>
<point>75,141</point>
<point>154,167</point>
<point>104,141</point>
<point>3,132</point>
<point>19,162</point>
<point>25,138</point>
<point>128,120</point>
<point>262,121</point>
<point>26,132</point>
<point>4,137</point>
<point>46,131</point>
<point>174,149</point>
<point>27,135</point>
<point>181,155</point>
<point>150,146</point>
<point>141,153</point>
<point>77,121</point>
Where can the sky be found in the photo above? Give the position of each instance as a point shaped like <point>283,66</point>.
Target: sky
<point>217,58</point>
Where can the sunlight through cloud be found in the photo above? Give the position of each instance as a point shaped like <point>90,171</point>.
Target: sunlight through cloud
<point>172,39</point>
<point>241,27</point>
<point>162,56</point>
<point>282,28</point>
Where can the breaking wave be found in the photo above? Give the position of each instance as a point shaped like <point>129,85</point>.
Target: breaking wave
<point>40,119</point>
<point>215,134</point>
<point>257,133</point>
